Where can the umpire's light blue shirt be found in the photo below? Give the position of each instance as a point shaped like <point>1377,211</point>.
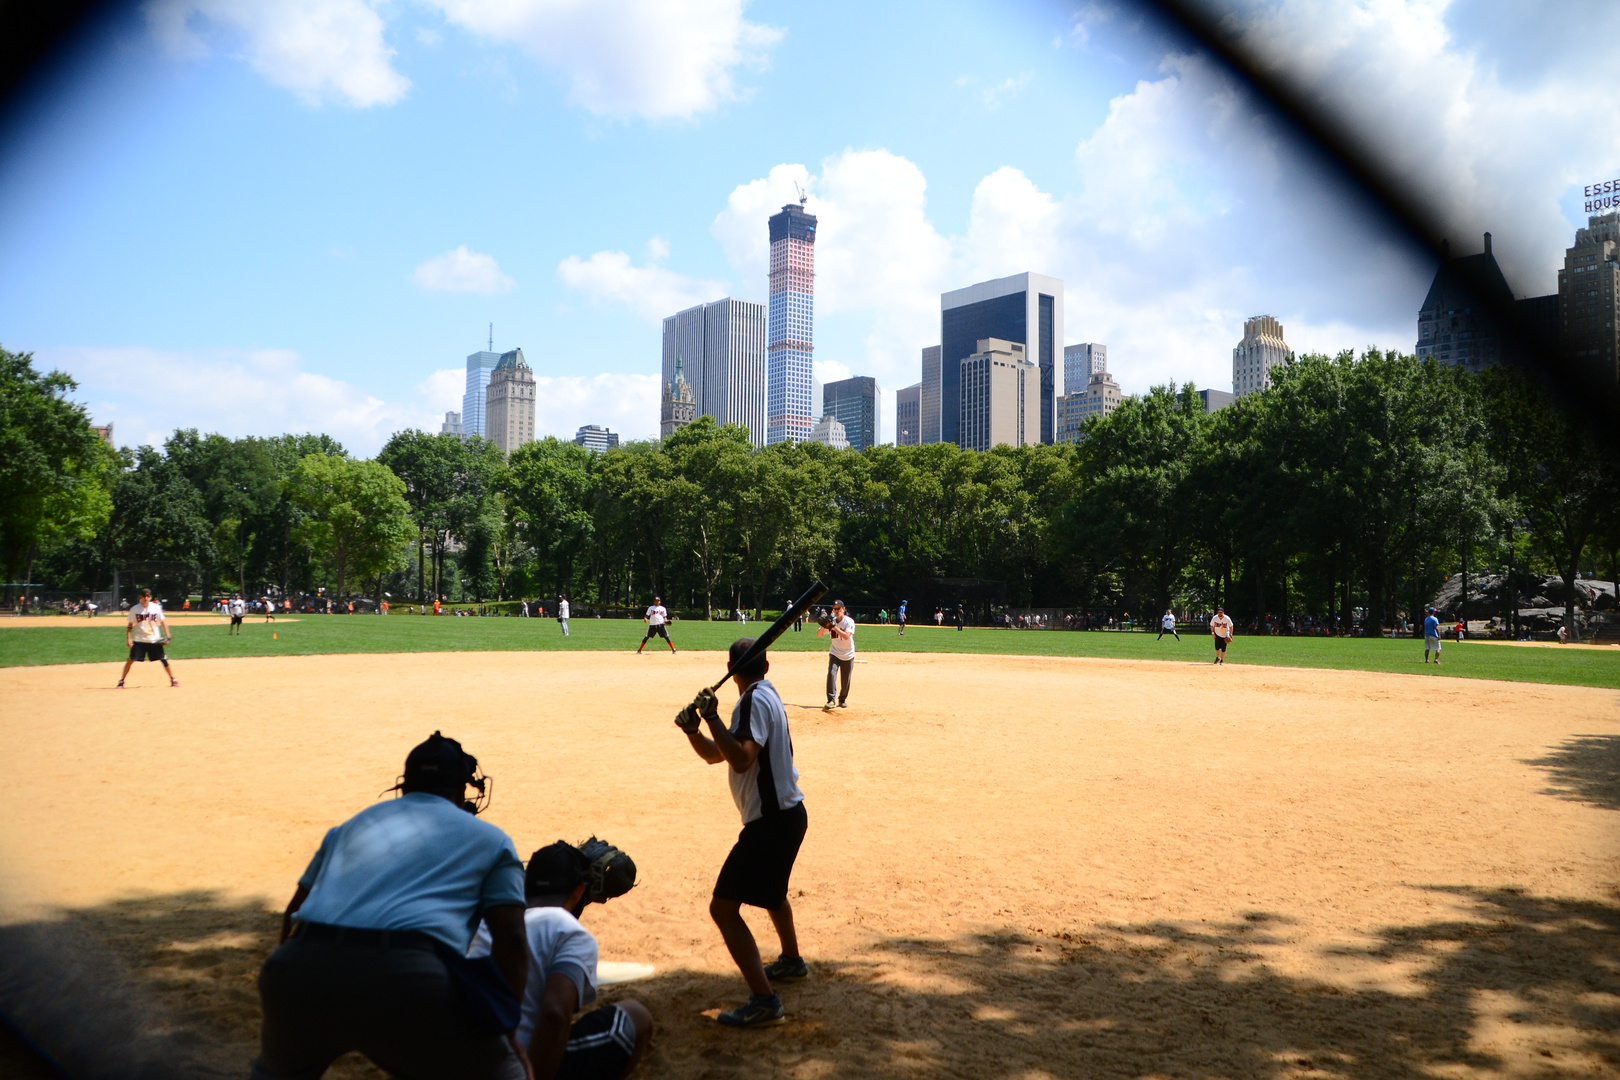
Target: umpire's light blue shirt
<point>418,862</point>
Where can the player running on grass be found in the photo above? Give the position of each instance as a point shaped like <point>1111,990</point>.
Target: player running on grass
<point>1167,625</point>
<point>656,617</point>
<point>146,631</point>
<point>1220,628</point>
<point>765,786</point>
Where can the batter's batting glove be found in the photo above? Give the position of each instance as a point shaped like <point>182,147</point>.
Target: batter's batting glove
<point>687,720</point>
<point>708,705</point>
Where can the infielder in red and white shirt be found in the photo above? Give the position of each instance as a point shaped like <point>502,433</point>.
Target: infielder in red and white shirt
<point>1220,628</point>
<point>656,617</point>
<point>146,632</point>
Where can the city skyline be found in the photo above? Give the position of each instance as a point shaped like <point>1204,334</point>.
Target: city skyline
<point>195,224</point>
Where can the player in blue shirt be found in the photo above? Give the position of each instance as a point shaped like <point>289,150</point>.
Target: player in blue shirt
<point>388,904</point>
<point>1431,637</point>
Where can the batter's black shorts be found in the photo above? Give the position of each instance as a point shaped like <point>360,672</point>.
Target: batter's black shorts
<point>1221,643</point>
<point>142,651</point>
<point>656,631</point>
<point>600,1045</point>
<point>757,870</point>
<point>236,620</point>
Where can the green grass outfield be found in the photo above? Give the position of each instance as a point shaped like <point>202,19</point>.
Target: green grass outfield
<point>317,634</point>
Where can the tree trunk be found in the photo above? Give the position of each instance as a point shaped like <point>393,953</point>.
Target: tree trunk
<point>421,569</point>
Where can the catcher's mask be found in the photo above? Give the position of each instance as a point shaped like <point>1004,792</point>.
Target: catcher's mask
<point>440,765</point>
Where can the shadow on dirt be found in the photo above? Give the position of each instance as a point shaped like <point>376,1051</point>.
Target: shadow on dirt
<point>1585,769</point>
<point>1513,984</point>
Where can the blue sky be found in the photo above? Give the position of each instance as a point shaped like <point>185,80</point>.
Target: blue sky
<point>254,216</point>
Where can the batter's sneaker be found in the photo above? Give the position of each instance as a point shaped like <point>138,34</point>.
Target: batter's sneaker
<point>786,971</point>
<point>761,1011</point>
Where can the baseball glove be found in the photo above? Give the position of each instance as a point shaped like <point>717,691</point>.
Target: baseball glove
<point>613,873</point>
<point>688,720</point>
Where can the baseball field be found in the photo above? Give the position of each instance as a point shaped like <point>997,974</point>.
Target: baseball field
<point>1321,860</point>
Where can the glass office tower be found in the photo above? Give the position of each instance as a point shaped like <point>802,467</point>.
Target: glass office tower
<point>790,334</point>
<point>480,366</point>
<point>854,402</point>
<point>1024,308</point>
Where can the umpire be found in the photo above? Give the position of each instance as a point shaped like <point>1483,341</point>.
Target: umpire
<point>392,895</point>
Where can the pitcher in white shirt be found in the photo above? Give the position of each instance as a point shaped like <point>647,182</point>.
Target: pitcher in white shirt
<point>1220,628</point>
<point>840,655</point>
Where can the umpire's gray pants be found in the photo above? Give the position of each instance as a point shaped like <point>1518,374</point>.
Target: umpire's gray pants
<point>838,672</point>
<point>324,998</point>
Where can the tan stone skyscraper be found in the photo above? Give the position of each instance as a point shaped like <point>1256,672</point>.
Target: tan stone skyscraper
<point>1261,349</point>
<point>509,403</point>
<point>1000,395</point>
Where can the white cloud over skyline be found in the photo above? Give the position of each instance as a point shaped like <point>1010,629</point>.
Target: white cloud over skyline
<point>462,271</point>
<point>653,59</point>
<point>320,50</point>
<point>148,393</point>
<point>650,290</point>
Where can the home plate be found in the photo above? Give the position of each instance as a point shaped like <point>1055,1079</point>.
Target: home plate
<point>609,972</point>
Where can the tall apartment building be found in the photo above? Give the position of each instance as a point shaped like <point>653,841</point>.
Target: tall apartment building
<point>452,425</point>
<point>1024,308</point>
<point>1080,363</point>
<point>509,405</point>
<point>928,396</point>
<point>480,366</point>
<point>999,391</point>
<point>598,440</point>
<point>1261,349</point>
<point>1460,321</point>
<point>679,406</point>
<point>1589,299</point>
<point>1099,396</point>
<point>720,350</point>
<point>854,402</point>
<point>907,421</point>
<point>790,340</point>
<point>829,432</point>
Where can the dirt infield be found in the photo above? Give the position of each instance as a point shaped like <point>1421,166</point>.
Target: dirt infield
<point>1016,867</point>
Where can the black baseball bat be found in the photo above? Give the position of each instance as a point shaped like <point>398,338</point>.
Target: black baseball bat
<point>764,641</point>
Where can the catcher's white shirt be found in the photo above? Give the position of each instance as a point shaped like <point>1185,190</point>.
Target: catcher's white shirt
<point>657,614</point>
<point>771,783</point>
<point>147,622</point>
<point>1221,626</point>
<point>557,945</point>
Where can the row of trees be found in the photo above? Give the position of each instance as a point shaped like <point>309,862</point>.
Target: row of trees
<point>1352,485</point>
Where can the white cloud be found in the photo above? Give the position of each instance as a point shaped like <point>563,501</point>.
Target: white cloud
<point>657,59</point>
<point>1478,105</point>
<point>462,271</point>
<point>650,290</point>
<point>994,95</point>
<point>624,403</point>
<point>147,393</point>
<point>320,50</point>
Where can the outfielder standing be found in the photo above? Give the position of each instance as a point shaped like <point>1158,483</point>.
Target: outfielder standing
<point>146,631</point>
<point>656,617</point>
<point>1167,625</point>
<point>238,608</point>
<point>840,655</point>
<point>765,786</point>
<point>900,617</point>
<point>562,614</point>
<point>1220,628</point>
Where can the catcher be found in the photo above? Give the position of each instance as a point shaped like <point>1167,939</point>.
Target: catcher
<point>765,787</point>
<point>605,1043</point>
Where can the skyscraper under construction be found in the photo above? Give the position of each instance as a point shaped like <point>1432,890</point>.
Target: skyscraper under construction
<point>790,332</point>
